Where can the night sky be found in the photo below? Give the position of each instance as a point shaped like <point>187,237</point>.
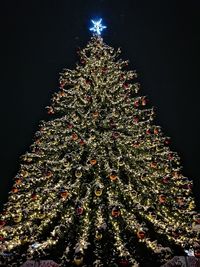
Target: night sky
<point>39,38</point>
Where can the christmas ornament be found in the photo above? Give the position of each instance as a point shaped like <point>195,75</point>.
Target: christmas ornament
<point>115,212</point>
<point>78,260</point>
<point>48,174</point>
<point>93,161</point>
<point>136,103</point>
<point>180,200</point>
<point>135,119</point>
<point>70,125</point>
<point>81,142</point>
<point>153,165</point>
<point>141,234</point>
<point>17,218</point>
<point>167,141</point>
<point>115,135</point>
<point>95,114</point>
<point>162,198</point>
<point>124,263</point>
<point>176,233</point>
<point>98,235</point>
<point>78,173</point>
<point>34,196</point>
<point>144,101</point>
<point>197,252</point>
<point>79,210</point>
<point>2,223</point>
<point>63,194</point>
<point>98,191</point>
<point>18,181</point>
<point>24,173</point>
<point>15,190</point>
<point>74,136</point>
<point>125,85</point>
<point>113,176</point>
<point>50,110</point>
<point>155,131</point>
<point>120,161</point>
<point>148,131</point>
<point>165,180</point>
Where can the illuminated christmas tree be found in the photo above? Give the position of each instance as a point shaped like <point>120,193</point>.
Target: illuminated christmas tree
<point>99,186</point>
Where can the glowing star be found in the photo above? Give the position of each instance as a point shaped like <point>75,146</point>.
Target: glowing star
<point>98,27</point>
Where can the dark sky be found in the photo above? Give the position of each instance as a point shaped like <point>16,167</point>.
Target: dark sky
<point>160,38</point>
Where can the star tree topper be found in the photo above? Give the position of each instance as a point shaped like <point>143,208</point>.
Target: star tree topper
<point>97,27</point>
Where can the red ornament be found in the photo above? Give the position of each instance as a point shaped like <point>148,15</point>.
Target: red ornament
<point>141,234</point>
<point>74,136</point>
<point>148,131</point>
<point>165,180</point>
<point>2,223</point>
<point>62,93</point>
<point>115,135</point>
<point>162,199</point>
<point>197,252</point>
<point>64,194</point>
<point>18,181</point>
<point>50,110</point>
<point>81,142</point>
<point>156,131</point>
<point>15,190</point>
<point>87,81</point>
<point>122,77</point>
<point>153,165</point>
<point>115,212</point>
<point>34,196</point>
<point>144,101</point>
<point>136,144</point>
<point>135,119</point>
<point>1,238</point>
<point>136,103</point>
<point>104,70</point>
<point>167,141</point>
<point>123,263</point>
<point>170,156</point>
<point>82,61</point>
<point>88,98</point>
<point>79,211</point>
<point>125,85</point>
<point>48,174</point>
<point>70,126</point>
<point>62,84</point>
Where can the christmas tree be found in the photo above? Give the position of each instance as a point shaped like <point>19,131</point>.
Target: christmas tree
<point>99,186</point>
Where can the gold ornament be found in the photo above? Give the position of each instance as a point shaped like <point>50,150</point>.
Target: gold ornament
<point>17,218</point>
<point>120,162</point>
<point>78,173</point>
<point>98,236</point>
<point>78,260</point>
<point>93,161</point>
<point>24,173</point>
<point>95,114</point>
<point>98,191</point>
